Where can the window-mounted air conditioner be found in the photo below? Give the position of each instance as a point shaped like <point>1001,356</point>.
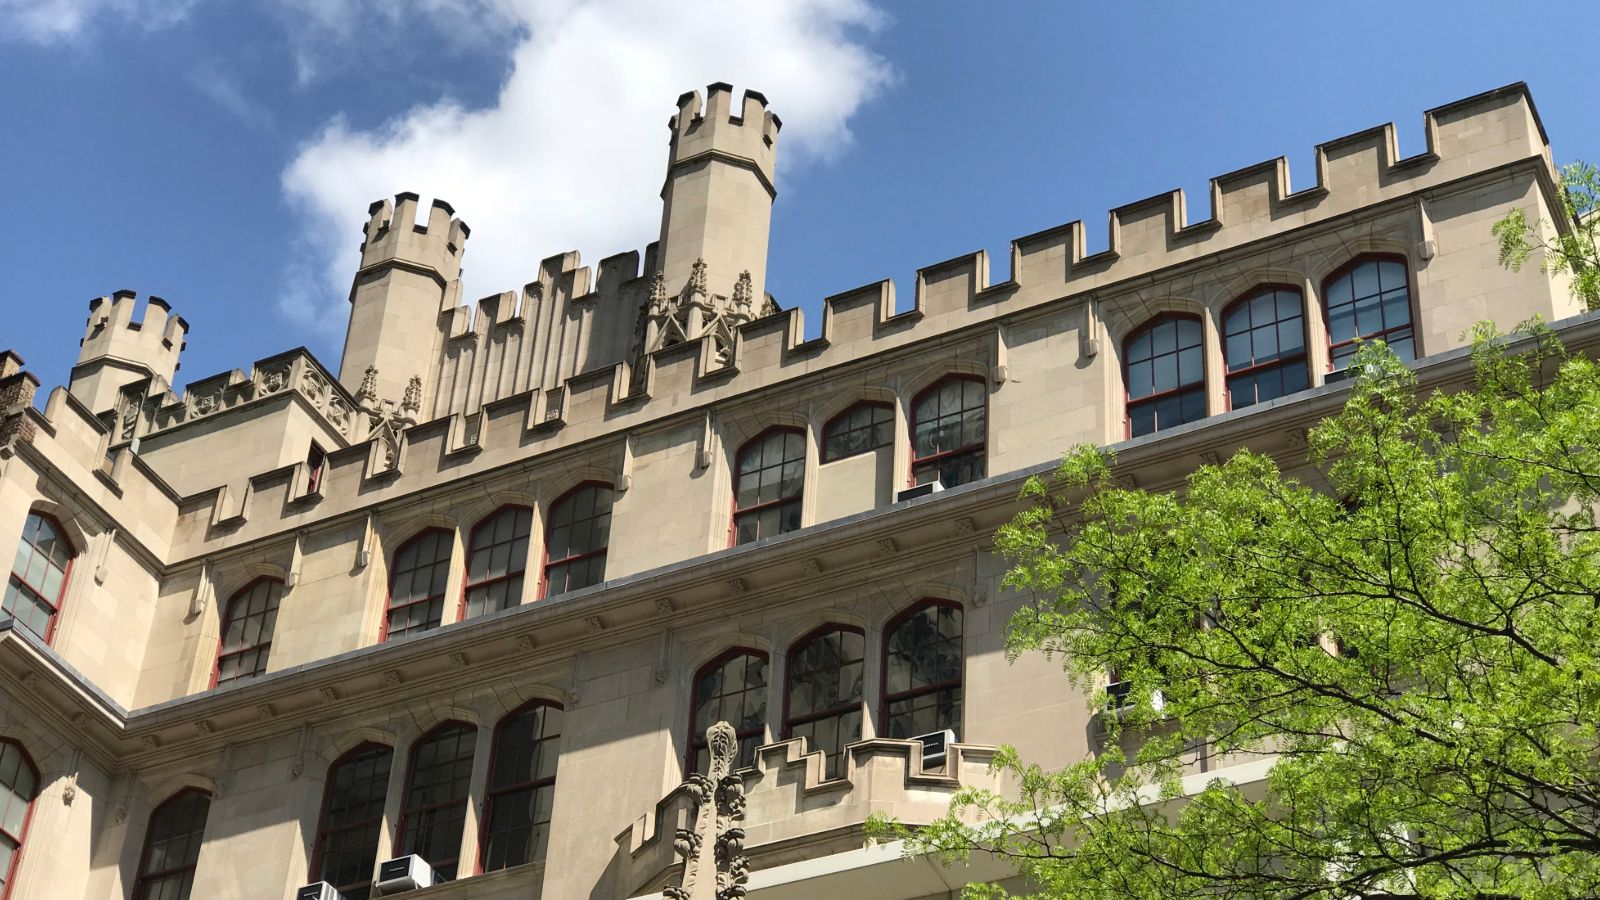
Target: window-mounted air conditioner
<point>318,891</point>
<point>935,747</point>
<point>921,490</point>
<point>403,873</point>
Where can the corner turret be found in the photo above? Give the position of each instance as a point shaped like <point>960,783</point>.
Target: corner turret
<point>717,201</point>
<point>118,350</point>
<point>410,274</point>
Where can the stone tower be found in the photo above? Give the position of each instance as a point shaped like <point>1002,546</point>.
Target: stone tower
<point>410,273</point>
<point>117,351</point>
<point>717,201</point>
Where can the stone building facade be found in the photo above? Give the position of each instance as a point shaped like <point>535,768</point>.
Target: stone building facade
<point>478,594</point>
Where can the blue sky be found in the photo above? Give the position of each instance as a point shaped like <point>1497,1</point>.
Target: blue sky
<point>221,154</point>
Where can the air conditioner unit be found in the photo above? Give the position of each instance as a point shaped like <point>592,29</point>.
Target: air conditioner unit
<point>403,873</point>
<point>921,490</point>
<point>319,891</point>
<point>935,747</point>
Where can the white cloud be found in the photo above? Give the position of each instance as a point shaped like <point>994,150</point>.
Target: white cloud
<point>572,152</point>
<point>54,21</point>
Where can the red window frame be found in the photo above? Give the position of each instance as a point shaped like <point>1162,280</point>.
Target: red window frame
<point>549,524</point>
<point>493,793</point>
<point>263,643</point>
<point>145,878</point>
<point>889,697</point>
<point>24,763</point>
<point>791,721</point>
<point>59,600</point>
<point>1411,305</point>
<point>1129,402</point>
<point>409,811</point>
<point>1282,362</point>
<point>389,606</point>
<point>374,823</point>
<point>833,425</point>
<point>978,449</point>
<point>316,467</point>
<point>697,728</point>
<point>745,512</point>
<point>520,562</point>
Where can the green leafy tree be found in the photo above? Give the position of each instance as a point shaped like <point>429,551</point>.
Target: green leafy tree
<point>1574,252</point>
<point>1409,623</point>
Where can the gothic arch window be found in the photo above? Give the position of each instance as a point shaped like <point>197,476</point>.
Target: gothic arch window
<point>434,807</point>
<point>38,577</point>
<point>731,688</point>
<point>1164,371</point>
<point>522,787</point>
<point>823,702</point>
<point>576,537</point>
<point>19,784</point>
<point>769,481</point>
<point>1368,299</point>
<point>497,558</point>
<point>1264,345</point>
<point>417,585</point>
<point>922,670</point>
<point>863,428</point>
<point>172,847</point>
<point>247,626</point>
<point>949,431</point>
<point>352,818</point>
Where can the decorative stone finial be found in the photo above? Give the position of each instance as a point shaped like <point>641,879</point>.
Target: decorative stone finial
<point>743,294</point>
<point>411,403</point>
<point>714,864</point>
<point>368,394</point>
<point>697,278</point>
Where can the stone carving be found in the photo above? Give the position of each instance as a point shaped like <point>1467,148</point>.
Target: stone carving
<point>367,394</point>
<point>389,420</point>
<point>714,864</point>
<point>693,313</point>
<point>273,380</point>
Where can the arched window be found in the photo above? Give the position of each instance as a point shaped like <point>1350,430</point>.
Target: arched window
<point>922,671</point>
<point>823,704</point>
<point>949,428</point>
<point>352,818</point>
<point>19,784</point>
<point>731,688</point>
<point>1369,299</point>
<point>172,847</point>
<point>435,804</point>
<point>1264,343</point>
<point>863,428</point>
<point>247,626</point>
<point>769,481</point>
<point>1164,369</point>
<point>497,556</point>
<point>38,577</point>
<point>416,589</point>
<point>576,537</point>
<point>522,787</point>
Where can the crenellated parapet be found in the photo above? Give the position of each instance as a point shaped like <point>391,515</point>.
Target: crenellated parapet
<point>118,348</point>
<point>554,365</point>
<point>394,234</point>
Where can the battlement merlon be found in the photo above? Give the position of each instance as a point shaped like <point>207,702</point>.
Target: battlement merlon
<point>392,235</point>
<point>118,349</point>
